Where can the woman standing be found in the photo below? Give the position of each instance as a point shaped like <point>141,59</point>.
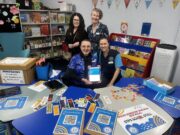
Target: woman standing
<point>96,30</point>
<point>75,33</point>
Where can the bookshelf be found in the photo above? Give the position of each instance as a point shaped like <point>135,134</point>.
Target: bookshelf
<point>44,31</point>
<point>137,53</point>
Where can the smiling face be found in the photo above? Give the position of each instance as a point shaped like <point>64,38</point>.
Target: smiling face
<point>104,45</point>
<point>76,21</point>
<point>95,17</point>
<point>85,47</point>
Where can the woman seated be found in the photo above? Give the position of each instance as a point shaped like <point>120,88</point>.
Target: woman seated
<point>110,62</point>
<point>77,70</point>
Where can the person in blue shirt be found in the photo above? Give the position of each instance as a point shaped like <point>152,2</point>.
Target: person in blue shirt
<point>96,30</point>
<point>110,62</point>
<point>77,70</point>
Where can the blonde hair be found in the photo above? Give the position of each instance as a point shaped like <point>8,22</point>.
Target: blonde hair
<point>99,11</point>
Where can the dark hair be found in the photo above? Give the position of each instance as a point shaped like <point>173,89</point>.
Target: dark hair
<point>103,38</point>
<point>99,11</point>
<point>81,22</point>
<point>87,40</point>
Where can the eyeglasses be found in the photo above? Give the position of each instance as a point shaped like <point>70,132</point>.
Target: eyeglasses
<point>76,20</point>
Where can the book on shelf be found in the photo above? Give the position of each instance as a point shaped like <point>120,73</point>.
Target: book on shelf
<point>24,18</point>
<point>44,29</point>
<point>36,17</point>
<point>67,17</point>
<point>27,30</point>
<point>36,31</point>
<point>102,122</point>
<point>54,17</point>
<point>61,18</point>
<point>54,29</point>
<point>44,18</point>
<point>129,72</point>
<point>70,121</point>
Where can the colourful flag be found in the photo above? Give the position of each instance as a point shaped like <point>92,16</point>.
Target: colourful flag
<point>94,2</point>
<point>117,2</point>
<point>175,3</point>
<point>126,3</point>
<point>137,2</point>
<point>109,3</point>
<point>148,3</point>
<point>161,2</point>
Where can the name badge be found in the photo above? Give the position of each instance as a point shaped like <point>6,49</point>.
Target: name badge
<point>97,33</point>
<point>110,62</point>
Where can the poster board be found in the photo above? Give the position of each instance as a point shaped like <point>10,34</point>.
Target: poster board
<point>9,18</point>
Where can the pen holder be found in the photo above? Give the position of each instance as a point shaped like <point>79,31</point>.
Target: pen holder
<point>42,72</point>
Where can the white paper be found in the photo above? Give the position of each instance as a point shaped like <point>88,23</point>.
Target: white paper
<point>38,87</point>
<point>14,60</point>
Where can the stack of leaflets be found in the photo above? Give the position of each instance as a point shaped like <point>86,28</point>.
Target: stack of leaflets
<point>70,122</point>
<point>102,122</point>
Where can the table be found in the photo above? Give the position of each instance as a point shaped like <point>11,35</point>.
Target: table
<point>40,123</point>
<point>11,114</point>
<point>116,105</point>
<point>150,94</point>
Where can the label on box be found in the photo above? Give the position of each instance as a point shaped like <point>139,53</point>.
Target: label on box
<point>12,76</point>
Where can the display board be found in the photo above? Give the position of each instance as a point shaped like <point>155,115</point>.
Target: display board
<point>9,18</point>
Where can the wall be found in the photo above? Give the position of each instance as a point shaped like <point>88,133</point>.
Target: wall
<point>165,19</point>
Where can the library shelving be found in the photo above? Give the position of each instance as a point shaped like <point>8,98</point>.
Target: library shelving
<point>44,31</point>
<point>137,53</point>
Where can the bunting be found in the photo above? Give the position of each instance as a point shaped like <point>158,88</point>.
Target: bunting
<point>175,3</point>
<point>161,2</point>
<point>137,2</point>
<point>94,2</point>
<point>117,2</point>
<point>102,1</point>
<point>126,3</point>
<point>109,3</point>
<point>148,3</point>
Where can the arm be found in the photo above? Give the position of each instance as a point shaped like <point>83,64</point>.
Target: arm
<point>118,64</point>
<point>116,74</point>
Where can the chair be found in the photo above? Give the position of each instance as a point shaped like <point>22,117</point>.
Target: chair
<point>12,45</point>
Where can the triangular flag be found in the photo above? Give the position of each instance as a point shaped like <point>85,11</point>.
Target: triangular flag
<point>148,2</point>
<point>94,2</point>
<point>109,3</point>
<point>137,2</point>
<point>175,3</point>
<point>161,2</point>
<point>102,1</point>
<point>126,3</point>
<point>117,2</point>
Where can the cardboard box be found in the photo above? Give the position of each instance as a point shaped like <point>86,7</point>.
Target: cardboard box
<point>17,70</point>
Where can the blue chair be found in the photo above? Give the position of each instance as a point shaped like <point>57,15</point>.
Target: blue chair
<point>12,45</point>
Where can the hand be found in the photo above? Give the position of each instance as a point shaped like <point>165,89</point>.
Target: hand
<point>86,81</point>
<point>76,44</point>
<point>70,46</point>
<point>40,61</point>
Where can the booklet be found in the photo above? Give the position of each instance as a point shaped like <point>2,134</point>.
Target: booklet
<point>102,122</point>
<point>70,122</point>
<point>94,74</point>
<point>138,119</point>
